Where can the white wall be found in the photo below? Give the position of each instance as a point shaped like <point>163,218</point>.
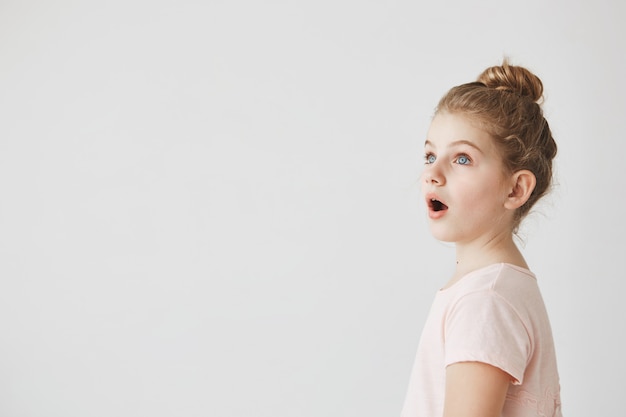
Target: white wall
<point>211,209</point>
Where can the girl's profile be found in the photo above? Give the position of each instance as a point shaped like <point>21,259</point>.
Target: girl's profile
<point>486,349</point>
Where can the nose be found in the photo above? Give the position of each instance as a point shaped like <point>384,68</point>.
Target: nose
<point>433,175</point>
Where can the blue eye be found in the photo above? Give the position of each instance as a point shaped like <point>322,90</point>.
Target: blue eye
<point>463,160</point>
<point>430,158</point>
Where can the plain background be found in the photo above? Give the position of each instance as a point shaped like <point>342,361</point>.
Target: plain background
<point>212,208</point>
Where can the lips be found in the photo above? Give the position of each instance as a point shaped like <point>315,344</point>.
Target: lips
<point>436,207</point>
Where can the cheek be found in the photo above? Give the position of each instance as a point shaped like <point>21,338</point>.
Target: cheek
<point>485,196</point>
<point>477,203</point>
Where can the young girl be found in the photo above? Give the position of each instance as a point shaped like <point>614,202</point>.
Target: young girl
<point>486,349</point>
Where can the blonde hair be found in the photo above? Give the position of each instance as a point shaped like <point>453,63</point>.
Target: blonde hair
<point>505,102</point>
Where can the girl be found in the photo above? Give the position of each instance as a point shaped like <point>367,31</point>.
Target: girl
<point>486,349</point>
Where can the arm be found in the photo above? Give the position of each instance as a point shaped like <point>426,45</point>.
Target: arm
<point>475,389</point>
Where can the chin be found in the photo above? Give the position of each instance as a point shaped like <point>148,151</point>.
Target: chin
<point>442,235</point>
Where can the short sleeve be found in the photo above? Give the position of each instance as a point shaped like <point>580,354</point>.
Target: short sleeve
<point>484,327</point>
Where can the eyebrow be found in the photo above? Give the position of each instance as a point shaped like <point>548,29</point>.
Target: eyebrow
<point>457,143</point>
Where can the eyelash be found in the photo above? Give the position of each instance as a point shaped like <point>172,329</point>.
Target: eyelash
<point>469,160</point>
<point>427,157</point>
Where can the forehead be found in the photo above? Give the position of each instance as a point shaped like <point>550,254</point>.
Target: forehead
<point>452,129</point>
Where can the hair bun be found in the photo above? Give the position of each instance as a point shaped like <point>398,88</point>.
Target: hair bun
<point>514,79</point>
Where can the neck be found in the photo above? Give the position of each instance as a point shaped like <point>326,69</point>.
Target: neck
<point>476,255</point>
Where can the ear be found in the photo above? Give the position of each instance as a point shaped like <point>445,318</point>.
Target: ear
<point>522,185</point>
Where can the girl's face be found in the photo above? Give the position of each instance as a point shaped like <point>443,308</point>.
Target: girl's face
<point>464,182</point>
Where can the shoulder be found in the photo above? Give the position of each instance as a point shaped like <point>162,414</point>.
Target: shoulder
<point>498,295</point>
<point>504,280</point>
<point>498,289</point>
<point>501,299</point>
<point>513,276</point>
<point>487,320</point>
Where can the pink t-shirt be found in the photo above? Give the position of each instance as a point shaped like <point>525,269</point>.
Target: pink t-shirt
<point>494,315</point>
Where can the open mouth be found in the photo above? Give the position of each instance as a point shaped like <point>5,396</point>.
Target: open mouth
<point>436,205</point>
